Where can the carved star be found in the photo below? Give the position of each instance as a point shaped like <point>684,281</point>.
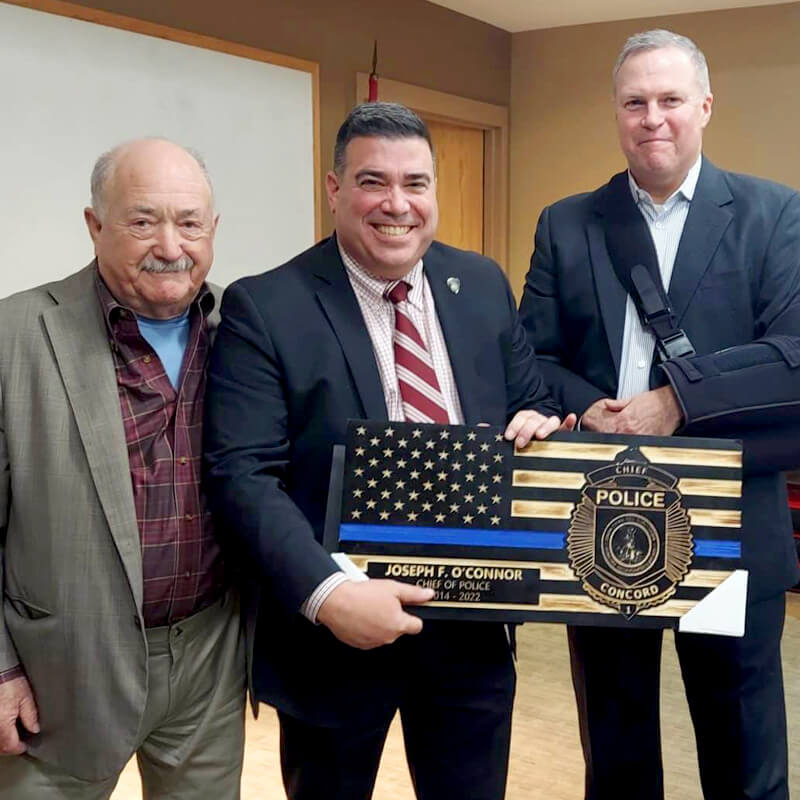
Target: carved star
<point>472,436</point>
<point>498,458</point>
<point>497,478</point>
<point>399,504</point>
<point>416,433</point>
<point>371,504</point>
<point>413,495</point>
<point>445,434</point>
<point>443,454</point>
<point>430,444</point>
<point>415,454</point>
<point>498,437</point>
<point>442,476</point>
<point>426,506</point>
<point>359,471</point>
<point>457,445</point>
<point>375,441</point>
<point>372,483</point>
<point>468,498</point>
<point>400,484</point>
<point>402,442</point>
<point>389,432</point>
<point>412,516</point>
<point>470,456</point>
<point>360,451</point>
<point>454,507</point>
<point>428,465</point>
<point>388,452</point>
<point>387,473</point>
<point>414,474</point>
<point>357,492</point>
<point>441,497</point>
<point>384,515</point>
<point>373,462</point>
<point>385,494</point>
<point>440,518</point>
<point>495,520</point>
<point>361,430</point>
<point>496,498</point>
<point>356,514</point>
<point>482,488</point>
<point>427,486</point>
<point>481,509</point>
<point>456,465</point>
<point>456,487</point>
<point>401,464</point>
<point>484,467</point>
<point>468,518</point>
<point>484,447</point>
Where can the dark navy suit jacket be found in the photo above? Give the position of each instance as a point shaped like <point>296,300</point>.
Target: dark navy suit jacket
<point>735,290</point>
<point>293,361</point>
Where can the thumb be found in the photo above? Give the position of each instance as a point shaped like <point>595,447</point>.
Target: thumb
<point>616,405</point>
<point>29,714</point>
<point>410,595</point>
<point>569,422</point>
<point>411,624</point>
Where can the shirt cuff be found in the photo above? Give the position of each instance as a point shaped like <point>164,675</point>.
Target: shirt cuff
<point>314,601</point>
<point>12,673</point>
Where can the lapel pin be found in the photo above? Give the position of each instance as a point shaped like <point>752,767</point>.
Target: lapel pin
<point>454,285</point>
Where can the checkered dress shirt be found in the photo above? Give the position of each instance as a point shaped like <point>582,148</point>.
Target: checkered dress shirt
<point>182,565</point>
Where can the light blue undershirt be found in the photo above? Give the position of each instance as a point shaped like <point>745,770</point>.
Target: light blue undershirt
<point>169,338</point>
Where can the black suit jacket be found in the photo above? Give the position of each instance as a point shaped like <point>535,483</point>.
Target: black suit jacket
<point>735,290</point>
<point>293,361</point>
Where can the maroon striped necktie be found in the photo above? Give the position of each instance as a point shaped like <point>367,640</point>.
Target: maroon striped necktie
<point>416,378</point>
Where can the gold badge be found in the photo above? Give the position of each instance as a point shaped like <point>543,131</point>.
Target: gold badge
<point>629,540</point>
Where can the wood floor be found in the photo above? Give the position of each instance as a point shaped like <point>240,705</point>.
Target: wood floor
<point>545,755</point>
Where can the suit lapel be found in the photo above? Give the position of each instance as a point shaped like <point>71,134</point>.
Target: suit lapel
<point>709,215</point>
<point>79,340</point>
<point>611,295</point>
<point>341,307</point>
<point>455,319</point>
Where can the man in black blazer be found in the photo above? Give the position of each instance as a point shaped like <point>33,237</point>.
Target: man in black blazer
<point>727,247</point>
<point>301,350</point>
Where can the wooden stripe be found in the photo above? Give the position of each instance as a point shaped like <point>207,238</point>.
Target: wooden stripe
<point>588,451</point>
<point>705,578</point>
<point>715,518</point>
<point>707,487</point>
<point>542,479</point>
<point>693,456</point>
<point>541,508</point>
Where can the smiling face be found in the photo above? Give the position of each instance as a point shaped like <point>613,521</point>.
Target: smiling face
<point>384,203</point>
<point>661,111</point>
<point>154,235</point>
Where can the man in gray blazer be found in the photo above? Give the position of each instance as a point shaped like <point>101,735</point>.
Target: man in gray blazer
<point>119,632</point>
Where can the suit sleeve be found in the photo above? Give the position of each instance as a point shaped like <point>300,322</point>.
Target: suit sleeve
<point>9,661</point>
<point>247,451</point>
<point>752,390</point>
<point>541,317</point>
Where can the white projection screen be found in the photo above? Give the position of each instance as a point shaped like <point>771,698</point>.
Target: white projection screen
<point>73,88</point>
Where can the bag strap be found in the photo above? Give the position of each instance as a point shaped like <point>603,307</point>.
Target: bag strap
<point>633,257</point>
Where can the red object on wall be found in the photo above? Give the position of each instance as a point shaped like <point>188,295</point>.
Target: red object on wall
<point>373,76</point>
<point>794,507</point>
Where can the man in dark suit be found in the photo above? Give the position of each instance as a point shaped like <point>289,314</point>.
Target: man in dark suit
<point>377,322</point>
<point>727,247</point>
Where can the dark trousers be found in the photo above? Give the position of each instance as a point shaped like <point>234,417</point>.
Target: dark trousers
<point>734,688</point>
<point>455,692</point>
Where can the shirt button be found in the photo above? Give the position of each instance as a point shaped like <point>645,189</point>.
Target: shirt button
<point>188,517</point>
<point>183,461</point>
<point>147,359</point>
<point>659,225</point>
<point>187,574</point>
<point>641,363</point>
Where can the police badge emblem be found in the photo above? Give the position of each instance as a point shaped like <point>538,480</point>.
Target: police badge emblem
<point>629,540</point>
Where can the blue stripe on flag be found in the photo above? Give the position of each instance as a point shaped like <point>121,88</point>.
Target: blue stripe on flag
<point>719,549</point>
<point>408,534</point>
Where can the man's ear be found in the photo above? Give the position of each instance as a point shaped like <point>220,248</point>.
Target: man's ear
<point>332,190</point>
<point>92,223</point>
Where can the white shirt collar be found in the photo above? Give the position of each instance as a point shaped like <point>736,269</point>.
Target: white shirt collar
<point>686,189</point>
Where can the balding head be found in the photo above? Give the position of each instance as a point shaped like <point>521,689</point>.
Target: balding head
<point>152,223</point>
<point>106,166</point>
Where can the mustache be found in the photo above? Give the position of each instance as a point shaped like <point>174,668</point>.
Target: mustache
<point>151,263</point>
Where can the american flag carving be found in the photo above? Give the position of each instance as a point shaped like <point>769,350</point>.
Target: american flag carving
<point>505,534</point>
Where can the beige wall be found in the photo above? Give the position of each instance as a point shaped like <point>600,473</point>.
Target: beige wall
<point>419,43</point>
<point>563,138</point>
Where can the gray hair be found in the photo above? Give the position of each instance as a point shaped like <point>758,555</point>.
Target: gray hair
<point>656,40</point>
<point>385,120</point>
<point>104,167</point>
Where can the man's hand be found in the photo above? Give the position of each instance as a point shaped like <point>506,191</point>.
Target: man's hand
<point>653,413</point>
<point>16,703</point>
<point>529,424</point>
<point>370,613</point>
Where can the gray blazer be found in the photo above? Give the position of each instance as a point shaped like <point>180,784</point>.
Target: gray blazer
<point>71,574</point>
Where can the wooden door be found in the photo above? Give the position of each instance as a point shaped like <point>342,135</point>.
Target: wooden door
<point>459,159</point>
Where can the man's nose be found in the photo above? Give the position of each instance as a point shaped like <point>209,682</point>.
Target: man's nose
<point>653,116</point>
<point>168,243</point>
<point>395,201</point>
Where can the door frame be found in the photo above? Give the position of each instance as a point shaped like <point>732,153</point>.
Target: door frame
<point>491,119</point>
